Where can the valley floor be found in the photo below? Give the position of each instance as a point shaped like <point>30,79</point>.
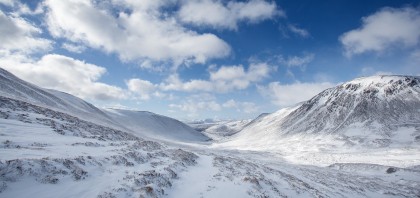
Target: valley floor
<point>50,164</point>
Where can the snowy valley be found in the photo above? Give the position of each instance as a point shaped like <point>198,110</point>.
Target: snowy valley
<point>358,139</point>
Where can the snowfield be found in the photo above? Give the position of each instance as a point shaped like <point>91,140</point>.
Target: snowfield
<point>55,145</point>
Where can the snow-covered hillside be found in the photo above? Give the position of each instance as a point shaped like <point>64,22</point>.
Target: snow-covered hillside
<point>55,145</point>
<point>367,120</point>
<point>15,88</point>
<point>219,130</point>
<point>141,124</point>
<point>372,112</point>
<point>147,124</point>
<point>380,104</point>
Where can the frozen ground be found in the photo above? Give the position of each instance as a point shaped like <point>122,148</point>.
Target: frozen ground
<point>219,130</point>
<point>52,145</point>
<point>52,154</point>
<point>46,163</point>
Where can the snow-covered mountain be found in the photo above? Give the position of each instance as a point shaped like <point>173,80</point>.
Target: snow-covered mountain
<point>147,124</point>
<point>49,147</point>
<point>224,129</point>
<point>378,103</point>
<point>375,111</point>
<point>15,88</point>
<point>140,124</point>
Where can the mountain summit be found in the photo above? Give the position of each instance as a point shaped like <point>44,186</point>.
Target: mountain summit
<point>378,102</point>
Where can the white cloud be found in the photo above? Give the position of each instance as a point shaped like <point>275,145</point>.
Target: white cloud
<point>65,74</point>
<point>142,32</point>
<point>228,73</point>
<point>370,71</point>
<point>230,104</point>
<point>7,2</point>
<point>173,82</point>
<point>299,31</point>
<point>285,95</point>
<point>225,79</point>
<point>248,107</point>
<point>18,35</point>
<point>389,27</point>
<point>196,104</point>
<point>218,14</point>
<point>193,106</point>
<point>143,88</point>
<point>245,107</point>
<point>298,61</point>
<point>205,103</point>
<point>73,47</point>
<point>229,78</point>
<point>20,8</point>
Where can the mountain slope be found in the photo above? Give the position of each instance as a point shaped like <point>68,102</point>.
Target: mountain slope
<point>52,152</point>
<point>380,103</point>
<point>147,124</point>
<point>140,124</point>
<point>373,111</point>
<point>223,129</point>
<point>15,88</point>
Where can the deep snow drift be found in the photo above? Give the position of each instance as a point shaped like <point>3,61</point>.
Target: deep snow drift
<point>56,145</point>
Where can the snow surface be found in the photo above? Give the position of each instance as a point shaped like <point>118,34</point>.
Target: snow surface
<point>15,88</point>
<point>366,113</point>
<point>50,148</point>
<point>147,124</point>
<point>219,130</point>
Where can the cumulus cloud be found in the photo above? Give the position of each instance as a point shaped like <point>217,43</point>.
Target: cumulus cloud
<point>202,103</point>
<point>230,104</point>
<point>174,83</point>
<point>7,2</point>
<point>389,27</point>
<point>65,74</point>
<point>133,30</point>
<point>195,104</point>
<point>19,35</point>
<point>217,14</point>
<point>245,107</point>
<point>235,77</point>
<point>284,95</point>
<point>21,8</point>
<point>142,88</point>
<point>73,47</point>
<point>224,79</point>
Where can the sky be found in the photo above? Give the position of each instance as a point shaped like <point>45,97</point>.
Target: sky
<point>206,59</point>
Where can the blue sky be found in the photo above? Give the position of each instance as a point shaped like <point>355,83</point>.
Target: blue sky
<point>202,59</point>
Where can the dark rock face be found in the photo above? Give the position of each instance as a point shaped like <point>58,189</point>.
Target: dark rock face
<point>379,103</point>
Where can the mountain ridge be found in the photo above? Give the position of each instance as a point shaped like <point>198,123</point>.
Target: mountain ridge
<point>361,111</point>
<point>156,126</point>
